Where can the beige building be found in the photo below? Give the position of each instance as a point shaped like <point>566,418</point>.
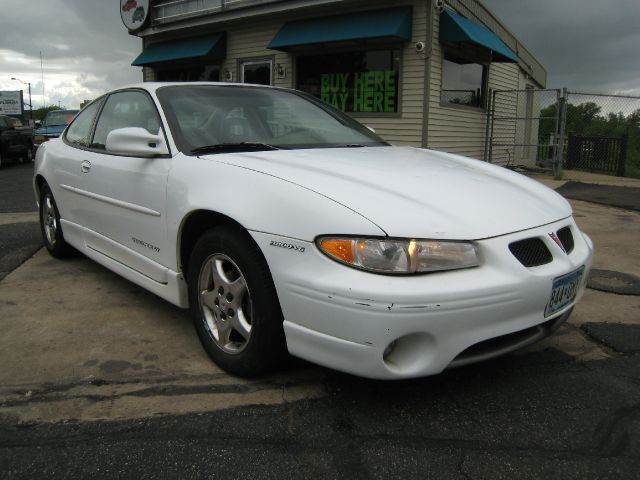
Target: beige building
<point>420,72</point>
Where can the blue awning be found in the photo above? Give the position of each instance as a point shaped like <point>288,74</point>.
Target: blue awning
<point>209,46</point>
<point>455,29</point>
<point>392,23</point>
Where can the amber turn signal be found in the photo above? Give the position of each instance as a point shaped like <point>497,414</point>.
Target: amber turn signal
<point>339,248</point>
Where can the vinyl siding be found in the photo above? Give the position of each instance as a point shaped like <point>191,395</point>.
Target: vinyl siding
<point>148,74</point>
<point>250,40</point>
<point>448,128</point>
<point>458,129</point>
<point>406,129</point>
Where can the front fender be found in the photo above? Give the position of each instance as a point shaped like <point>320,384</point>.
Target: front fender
<point>257,201</point>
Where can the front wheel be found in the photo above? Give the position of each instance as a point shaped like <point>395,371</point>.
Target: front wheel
<point>234,304</point>
<point>50,225</point>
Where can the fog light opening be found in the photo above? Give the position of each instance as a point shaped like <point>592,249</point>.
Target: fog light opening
<point>389,350</point>
<point>410,353</point>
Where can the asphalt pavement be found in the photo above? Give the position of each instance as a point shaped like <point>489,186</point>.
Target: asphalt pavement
<point>16,190</point>
<point>100,379</point>
<point>540,415</point>
<point>612,195</point>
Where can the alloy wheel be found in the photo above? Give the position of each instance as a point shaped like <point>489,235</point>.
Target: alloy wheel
<point>225,302</point>
<point>49,222</point>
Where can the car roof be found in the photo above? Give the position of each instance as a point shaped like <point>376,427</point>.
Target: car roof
<point>153,86</point>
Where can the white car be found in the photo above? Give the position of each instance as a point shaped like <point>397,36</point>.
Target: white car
<point>286,225</point>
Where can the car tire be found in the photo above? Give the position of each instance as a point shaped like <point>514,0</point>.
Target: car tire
<point>27,156</point>
<point>234,304</point>
<point>50,225</point>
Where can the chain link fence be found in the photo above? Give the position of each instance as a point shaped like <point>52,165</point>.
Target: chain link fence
<point>602,134</point>
<point>557,129</point>
<point>523,127</point>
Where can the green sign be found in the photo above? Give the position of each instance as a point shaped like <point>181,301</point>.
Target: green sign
<point>361,91</point>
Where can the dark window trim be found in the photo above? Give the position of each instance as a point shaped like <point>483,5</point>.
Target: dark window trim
<point>308,52</point>
<point>473,58</point>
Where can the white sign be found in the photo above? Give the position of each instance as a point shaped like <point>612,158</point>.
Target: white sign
<point>134,13</point>
<point>11,103</point>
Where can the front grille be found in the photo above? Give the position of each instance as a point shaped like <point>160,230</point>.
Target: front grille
<point>531,252</point>
<point>566,238</point>
<point>497,346</point>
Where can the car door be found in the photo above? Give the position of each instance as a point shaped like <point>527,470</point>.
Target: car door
<point>67,177</point>
<point>127,194</point>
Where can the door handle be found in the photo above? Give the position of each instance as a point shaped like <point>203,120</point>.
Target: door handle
<point>85,166</point>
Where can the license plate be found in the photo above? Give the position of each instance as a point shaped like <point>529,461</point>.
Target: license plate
<point>563,291</point>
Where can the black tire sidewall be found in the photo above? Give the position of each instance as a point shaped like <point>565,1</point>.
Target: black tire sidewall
<point>266,347</point>
<point>61,248</point>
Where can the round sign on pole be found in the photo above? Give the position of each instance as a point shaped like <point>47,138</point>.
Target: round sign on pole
<point>134,13</point>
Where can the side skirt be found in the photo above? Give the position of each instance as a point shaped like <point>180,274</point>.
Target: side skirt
<point>173,288</point>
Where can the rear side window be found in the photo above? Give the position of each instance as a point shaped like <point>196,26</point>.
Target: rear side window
<point>79,132</point>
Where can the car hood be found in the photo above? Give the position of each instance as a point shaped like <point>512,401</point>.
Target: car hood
<point>411,192</point>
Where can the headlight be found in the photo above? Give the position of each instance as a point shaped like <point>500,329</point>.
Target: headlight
<point>400,256</point>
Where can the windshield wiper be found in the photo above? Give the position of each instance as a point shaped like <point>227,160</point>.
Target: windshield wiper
<point>236,147</point>
<point>346,145</point>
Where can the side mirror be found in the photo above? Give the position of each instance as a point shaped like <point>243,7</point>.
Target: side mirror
<point>136,142</point>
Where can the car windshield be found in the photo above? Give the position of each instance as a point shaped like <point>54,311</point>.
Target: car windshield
<point>220,118</point>
<point>59,118</point>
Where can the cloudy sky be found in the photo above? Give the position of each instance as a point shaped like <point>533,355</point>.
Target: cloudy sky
<point>590,45</point>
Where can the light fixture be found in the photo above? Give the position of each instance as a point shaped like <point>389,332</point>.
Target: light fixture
<point>30,102</point>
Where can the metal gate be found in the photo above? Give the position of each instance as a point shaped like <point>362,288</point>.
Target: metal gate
<point>524,127</point>
<point>597,154</point>
<point>556,128</point>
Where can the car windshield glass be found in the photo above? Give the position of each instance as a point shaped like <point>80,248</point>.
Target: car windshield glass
<point>216,119</point>
<point>59,118</point>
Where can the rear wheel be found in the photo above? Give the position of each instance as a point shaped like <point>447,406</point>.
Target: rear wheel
<point>50,225</point>
<point>234,304</point>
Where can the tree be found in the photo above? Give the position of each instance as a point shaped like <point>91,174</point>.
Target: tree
<point>41,112</point>
<point>586,119</point>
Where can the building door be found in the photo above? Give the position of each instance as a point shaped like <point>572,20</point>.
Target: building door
<point>257,71</point>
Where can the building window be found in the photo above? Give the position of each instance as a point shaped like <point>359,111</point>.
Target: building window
<point>189,73</point>
<point>464,81</point>
<point>363,81</point>
<point>258,71</point>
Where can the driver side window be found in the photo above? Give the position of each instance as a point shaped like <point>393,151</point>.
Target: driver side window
<point>122,110</point>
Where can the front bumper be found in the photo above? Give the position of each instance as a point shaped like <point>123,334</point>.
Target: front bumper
<point>389,327</point>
